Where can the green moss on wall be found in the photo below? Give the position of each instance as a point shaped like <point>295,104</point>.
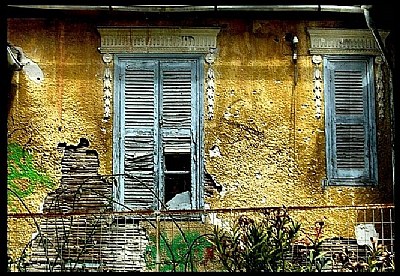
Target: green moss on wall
<point>23,178</point>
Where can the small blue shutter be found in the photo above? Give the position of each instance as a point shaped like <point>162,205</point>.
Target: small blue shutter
<point>350,127</point>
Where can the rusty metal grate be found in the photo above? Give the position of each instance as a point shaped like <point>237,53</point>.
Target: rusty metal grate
<point>129,241</point>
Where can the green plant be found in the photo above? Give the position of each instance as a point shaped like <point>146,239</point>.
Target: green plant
<point>22,176</point>
<point>316,259</point>
<point>378,259</point>
<point>180,254</point>
<point>256,246</point>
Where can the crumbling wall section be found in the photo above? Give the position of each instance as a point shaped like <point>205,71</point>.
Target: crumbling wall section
<point>77,232</point>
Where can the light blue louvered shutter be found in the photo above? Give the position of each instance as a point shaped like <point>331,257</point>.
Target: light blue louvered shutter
<point>178,128</point>
<point>139,124</point>
<point>350,121</point>
<point>157,132</point>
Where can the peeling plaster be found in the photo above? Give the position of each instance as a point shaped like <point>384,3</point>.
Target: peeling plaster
<point>214,151</point>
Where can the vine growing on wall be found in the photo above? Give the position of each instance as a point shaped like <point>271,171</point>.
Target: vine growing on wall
<point>22,176</point>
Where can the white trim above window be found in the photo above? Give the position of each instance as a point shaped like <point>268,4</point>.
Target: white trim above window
<point>329,41</point>
<point>157,39</point>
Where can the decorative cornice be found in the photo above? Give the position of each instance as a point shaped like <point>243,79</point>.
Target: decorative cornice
<point>343,41</point>
<point>157,39</point>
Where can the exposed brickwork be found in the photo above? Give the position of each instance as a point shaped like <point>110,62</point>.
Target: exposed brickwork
<point>97,242</point>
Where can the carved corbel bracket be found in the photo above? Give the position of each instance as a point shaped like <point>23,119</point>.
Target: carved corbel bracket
<point>317,79</point>
<point>107,84</point>
<point>379,84</point>
<point>210,80</point>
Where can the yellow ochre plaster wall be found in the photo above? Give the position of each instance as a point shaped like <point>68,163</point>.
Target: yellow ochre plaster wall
<point>67,104</point>
<point>272,148</point>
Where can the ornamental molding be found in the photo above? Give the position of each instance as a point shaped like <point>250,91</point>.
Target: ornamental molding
<point>210,80</point>
<point>344,41</point>
<point>317,79</point>
<point>380,86</point>
<point>107,83</point>
<point>157,39</point>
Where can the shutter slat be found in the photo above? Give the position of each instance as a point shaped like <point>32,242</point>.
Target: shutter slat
<point>170,141</point>
<point>139,97</point>
<point>348,93</point>
<point>139,164</point>
<point>177,93</point>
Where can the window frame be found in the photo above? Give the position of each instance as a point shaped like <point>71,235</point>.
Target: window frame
<point>370,162</point>
<point>197,187</point>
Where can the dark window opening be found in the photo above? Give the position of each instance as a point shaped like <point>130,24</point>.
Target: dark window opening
<point>177,176</point>
<point>176,184</point>
<point>177,162</point>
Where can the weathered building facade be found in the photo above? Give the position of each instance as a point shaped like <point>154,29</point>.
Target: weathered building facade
<point>198,110</point>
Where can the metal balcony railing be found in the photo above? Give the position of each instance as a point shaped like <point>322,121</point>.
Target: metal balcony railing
<point>179,240</point>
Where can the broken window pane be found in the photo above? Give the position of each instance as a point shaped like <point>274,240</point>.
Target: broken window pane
<point>177,176</point>
<point>176,184</point>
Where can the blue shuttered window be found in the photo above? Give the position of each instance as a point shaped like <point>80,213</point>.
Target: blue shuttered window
<point>157,133</point>
<point>350,121</point>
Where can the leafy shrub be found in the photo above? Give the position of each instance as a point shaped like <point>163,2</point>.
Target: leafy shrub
<point>378,259</point>
<point>256,246</point>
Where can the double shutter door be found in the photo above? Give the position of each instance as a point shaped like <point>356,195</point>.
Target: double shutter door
<point>158,131</point>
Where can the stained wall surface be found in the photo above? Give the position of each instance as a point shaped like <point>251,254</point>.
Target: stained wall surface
<point>272,147</point>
